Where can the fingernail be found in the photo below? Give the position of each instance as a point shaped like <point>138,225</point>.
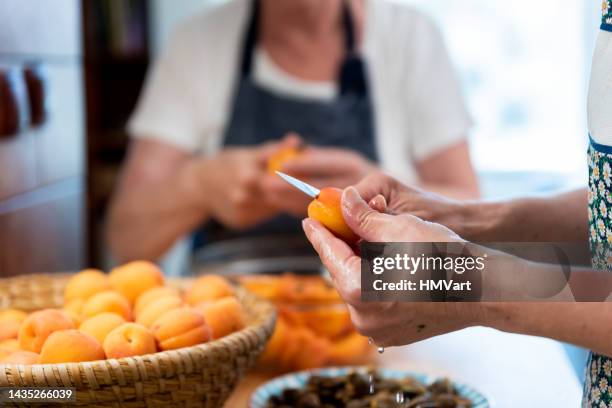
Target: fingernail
<point>307,224</point>
<point>350,197</point>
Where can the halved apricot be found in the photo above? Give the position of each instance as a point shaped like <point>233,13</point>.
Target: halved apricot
<point>327,210</point>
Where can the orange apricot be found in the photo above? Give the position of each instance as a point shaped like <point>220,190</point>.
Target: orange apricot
<point>155,309</point>
<point>267,287</point>
<point>9,345</point>
<point>85,284</point>
<point>179,328</point>
<point>307,289</point>
<point>327,210</point>
<point>135,278</point>
<point>101,324</point>
<point>70,346</point>
<point>208,287</point>
<point>312,351</point>
<point>109,301</point>
<point>10,321</point>
<point>276,344</point>
<point>223,316</point>
<point>282,156</point>
<point>152,294</point>
<point>129,339</point>
<point>329,322</point>
<point>39,325</point>
<point>21,357</point>
<point>74,306</point>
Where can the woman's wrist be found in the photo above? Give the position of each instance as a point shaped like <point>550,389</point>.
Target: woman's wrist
<point>480,221</point>
<point>193,181</point>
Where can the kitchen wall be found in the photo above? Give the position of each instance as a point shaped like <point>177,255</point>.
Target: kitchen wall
<point>42,145</point>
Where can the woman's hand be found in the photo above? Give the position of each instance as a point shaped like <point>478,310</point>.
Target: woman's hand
<point>390,323</point>
<point>230,186</point>
<point>320,167</point>
<point>402,199</point>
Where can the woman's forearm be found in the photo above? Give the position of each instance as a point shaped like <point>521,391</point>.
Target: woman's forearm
<point>560,218</point>
<point>584,324</point>
<point>147,216</point>
<point>560,315</point>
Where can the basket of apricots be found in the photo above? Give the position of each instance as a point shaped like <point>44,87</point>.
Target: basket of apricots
<point>130,337</point>
<point>313,327</point>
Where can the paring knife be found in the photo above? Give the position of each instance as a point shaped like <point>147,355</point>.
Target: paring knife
<point>300,185</point>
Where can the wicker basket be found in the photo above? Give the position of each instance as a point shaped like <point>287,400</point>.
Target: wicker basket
<point>199,376</point>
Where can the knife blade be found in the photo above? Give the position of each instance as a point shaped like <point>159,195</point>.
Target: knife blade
<point>300,185</point>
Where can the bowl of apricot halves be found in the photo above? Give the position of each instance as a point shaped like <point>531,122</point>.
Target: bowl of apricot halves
<point>313,328</point>
<point>130,337</point>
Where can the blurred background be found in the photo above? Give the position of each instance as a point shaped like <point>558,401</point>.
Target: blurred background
<point>71,72</point>
<point>524,69</point>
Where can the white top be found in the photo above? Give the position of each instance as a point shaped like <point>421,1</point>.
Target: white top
<point>419,107</point>
<point>600,92</point>
<point>272,77</point>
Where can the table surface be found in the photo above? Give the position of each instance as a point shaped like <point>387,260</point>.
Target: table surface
<point>511,369</point>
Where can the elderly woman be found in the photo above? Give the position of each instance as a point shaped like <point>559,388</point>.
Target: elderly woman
<point>559,218</point>
<point>366,84</point>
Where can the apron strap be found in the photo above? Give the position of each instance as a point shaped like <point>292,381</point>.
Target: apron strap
<point>349,29</point>
<point>250,40</point>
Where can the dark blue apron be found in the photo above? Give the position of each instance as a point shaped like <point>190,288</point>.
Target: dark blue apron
<point>259,116</point>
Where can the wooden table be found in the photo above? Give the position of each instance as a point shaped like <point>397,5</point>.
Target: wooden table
<point>513,370</point>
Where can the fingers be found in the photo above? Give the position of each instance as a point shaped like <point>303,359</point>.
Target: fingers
<point>338,258</point>
<point>292,140</point>
<point>364,220</point>
<point>375,184</point>
<point>378,203</point>
<point>323,162</point>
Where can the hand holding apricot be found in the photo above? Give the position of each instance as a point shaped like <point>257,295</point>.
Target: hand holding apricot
<point>388,323</point>
<point>319,166</point>
<point>282,156</point>
<point>290,147</point>
<point>229,186</point>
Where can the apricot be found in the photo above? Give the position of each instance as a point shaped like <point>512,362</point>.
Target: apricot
<point>276,344</point>
<point>39,325</point>
<point>10,321</point>
<point>282,156</point>
<point>208,287</point>
<point>135,278</point>
<point>152,294</point>
<point>329,322</point>
<point>350,349</point>
<point>9,345</point>
<point>311,351</point>
<point>129,339</point>
<point>75,306</point>
<point>4,353</point>
<point>223,316</point>
<point>267,287</point>
<point>109,301</point>
<point>100,325</point>
<point>70,346</point>
<point>157,308</point>
<point>73,310</point>
<point>307,289</point>
<point>85,284</point>
<point>21,357</point>
<point>179,328</point>
<point>327,210</point>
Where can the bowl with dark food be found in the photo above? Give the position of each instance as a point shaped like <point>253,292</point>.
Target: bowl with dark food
<point>360,387</point>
